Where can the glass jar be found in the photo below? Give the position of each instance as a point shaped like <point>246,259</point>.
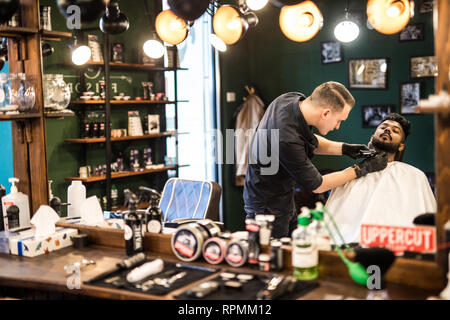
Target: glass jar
<point>22,93</point>
<point>56,92</point>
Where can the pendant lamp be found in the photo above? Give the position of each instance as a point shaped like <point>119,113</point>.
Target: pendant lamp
<point>170,28</point>
<point>347,30</point>
<point>230,24</point>
<point>301,22</point>
<point>256,4</point>
<point>388,16</point>
<point>113,21</point>
<point>189,10</point>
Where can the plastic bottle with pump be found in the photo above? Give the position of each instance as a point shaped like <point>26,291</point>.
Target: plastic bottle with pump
<point>76,194</point>
<point>305,255</point>
<point>18,199</point>
<point>318,227</point>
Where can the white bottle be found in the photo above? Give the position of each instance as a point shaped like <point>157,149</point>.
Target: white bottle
<point>21,201</point>
<point>76,194</point>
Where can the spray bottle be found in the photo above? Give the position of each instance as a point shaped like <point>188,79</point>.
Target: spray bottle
<point>133,229</point>
<point>18,199</point>
<point>305,256</point>
<point>318,227</point>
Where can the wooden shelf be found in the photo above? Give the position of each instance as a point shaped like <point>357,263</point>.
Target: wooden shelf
<point>131,66</point>
<point>21,116</point>
<point>16,32</point>
<point>54,35</point>
<point>58,115</point>
<point>99,140</point>
<point>420,109</point>
<point>117,175</point>
<point>125,102</point>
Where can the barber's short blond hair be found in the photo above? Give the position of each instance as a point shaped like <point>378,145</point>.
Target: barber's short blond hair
<point>332,94</point>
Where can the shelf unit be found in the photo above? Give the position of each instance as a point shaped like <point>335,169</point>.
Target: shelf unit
<point>123,174</point>
<point>17,32</point>
<point>18,117</point>
<point>127,138</point>
<point>107,66</point>
<point>51,35</point>
<point>78,102</point>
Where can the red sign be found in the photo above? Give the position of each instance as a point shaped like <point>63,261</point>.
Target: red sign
<point>399,239</point>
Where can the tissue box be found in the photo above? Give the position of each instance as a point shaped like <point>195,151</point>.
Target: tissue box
<point>5,236</point>
<point>29,246</point>
<point>113,223</point>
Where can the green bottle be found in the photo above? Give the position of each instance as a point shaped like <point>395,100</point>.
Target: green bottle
<point>305,254</point>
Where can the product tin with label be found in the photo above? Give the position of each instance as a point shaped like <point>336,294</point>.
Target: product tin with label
<point>237,253</point>
<point>188,240</point>
<point>214,250</point>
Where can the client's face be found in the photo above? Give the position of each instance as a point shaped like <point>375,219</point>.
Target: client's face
<point>388,136</point>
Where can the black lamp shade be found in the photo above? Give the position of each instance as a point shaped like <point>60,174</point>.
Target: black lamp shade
<point>90,9</point>
<point>113,21</point>
<point>289,2</point>
<point>7,9</point>
<point>189,10</point>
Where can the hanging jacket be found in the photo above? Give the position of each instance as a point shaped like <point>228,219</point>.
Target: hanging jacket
<point>251,112</point>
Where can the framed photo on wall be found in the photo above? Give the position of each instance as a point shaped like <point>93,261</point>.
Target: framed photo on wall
<point>331,52</point>
<point>372,115</point>
<point>426,6</point>
<point>423,67</point>
<point>368,73</point>
<point>409,96</point>
<point>412,32</point>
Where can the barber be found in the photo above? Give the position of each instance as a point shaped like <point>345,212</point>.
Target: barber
<point>284,137</point>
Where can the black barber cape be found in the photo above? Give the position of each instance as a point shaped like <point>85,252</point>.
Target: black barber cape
<point>274,193</point>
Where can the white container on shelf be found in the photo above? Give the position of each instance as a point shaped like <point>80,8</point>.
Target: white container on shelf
<point>76,194</point>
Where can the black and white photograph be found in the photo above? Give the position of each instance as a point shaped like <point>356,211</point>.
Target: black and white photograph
<point>423,67</point>
<point>367,73</point>
<point>412,32</point>
<point>331,52</point>
<point>409,96</point>
<point>373,115</point>
<point>426,6</point>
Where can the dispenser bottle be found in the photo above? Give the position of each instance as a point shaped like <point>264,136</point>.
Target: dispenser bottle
<point>153,216</point>
<point>305,256</point>
<point>133,229</point>
<point>76,194</point>
<point>18,199</point>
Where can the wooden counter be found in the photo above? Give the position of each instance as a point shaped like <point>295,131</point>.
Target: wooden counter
<point>46,272</point>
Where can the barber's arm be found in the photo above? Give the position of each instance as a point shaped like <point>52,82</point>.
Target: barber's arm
<point>328,147</point>
<point>336,179</point>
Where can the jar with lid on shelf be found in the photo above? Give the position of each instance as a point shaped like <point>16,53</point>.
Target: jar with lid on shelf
<point>6,101</point>
<point>56,92</point>
<point>22,92</point>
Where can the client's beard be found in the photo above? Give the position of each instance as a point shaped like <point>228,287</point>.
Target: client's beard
<point>388,147</point>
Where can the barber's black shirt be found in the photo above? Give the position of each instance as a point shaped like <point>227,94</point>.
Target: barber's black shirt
<point>274,193</point>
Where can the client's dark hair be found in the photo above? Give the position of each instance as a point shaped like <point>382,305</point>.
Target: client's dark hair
<point>406,125</point>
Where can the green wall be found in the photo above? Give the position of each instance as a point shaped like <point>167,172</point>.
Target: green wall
<point>266,59</point>
<point>64,159</point>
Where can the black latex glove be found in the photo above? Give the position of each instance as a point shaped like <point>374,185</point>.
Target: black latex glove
<point>354,151</point>
<point>372,164</point>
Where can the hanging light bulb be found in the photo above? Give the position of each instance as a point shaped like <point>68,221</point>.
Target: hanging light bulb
<point>81,53</point>
<point>301,22</point>
<point>171,28</point>
<point>217,43</point>
<point>230,24</point>
<point>347,30</point>
<point>113,21</point>
<point>154,48</point>
<point>256,4</point>
<point>389,16</point>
